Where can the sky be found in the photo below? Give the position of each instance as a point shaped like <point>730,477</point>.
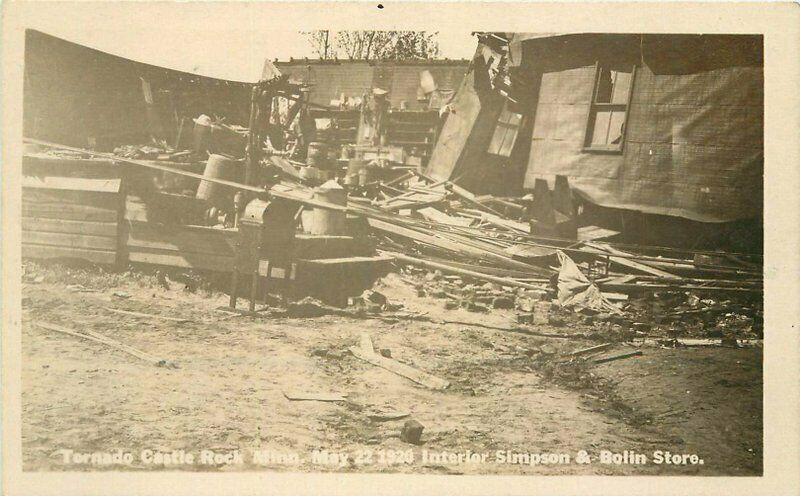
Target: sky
<point>234,48</point>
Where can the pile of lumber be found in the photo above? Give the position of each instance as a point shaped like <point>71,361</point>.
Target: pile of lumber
<point>441,226</point>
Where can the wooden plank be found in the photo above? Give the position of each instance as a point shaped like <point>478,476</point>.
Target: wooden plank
<point>348,260</point>
<point>69,240</point>
<point>462,272</point>
<point>42,251</point>
<point>146,315</point>
<point>72,184</point>
<point>200,261</point>
<point>69,226</point>
<point>618,357</point>
<point>312,246</point>
<point>512,225</point>
<point>292,193</point>
<point>590,233</point>
<point>40,164</point>
<point>435,215</point>
<point>697,288</point>
<point>99,338</point>
<point>161,207</point>
<point>626,262</point>
<point>66,211</point>
<point>366,352</point>
<point>300,396</point>
<point>463,246</point>
<point>485,269</point>
<point>186,239</point>
<point>110,201</point>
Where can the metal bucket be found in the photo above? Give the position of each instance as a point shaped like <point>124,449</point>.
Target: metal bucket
<point>324,221</point>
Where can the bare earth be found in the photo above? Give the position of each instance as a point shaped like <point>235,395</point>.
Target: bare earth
<point>227,393</point>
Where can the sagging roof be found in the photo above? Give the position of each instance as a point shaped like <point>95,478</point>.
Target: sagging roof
<point>189,65</point>
<point>76,94</point>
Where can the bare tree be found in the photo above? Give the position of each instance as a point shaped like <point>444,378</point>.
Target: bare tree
<point>375,45</point>
<point>412,45</point>
<point>321,42</point>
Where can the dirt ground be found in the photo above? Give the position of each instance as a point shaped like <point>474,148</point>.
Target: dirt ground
<point>228,392</point>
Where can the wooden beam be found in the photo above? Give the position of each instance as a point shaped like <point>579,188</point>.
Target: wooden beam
<point>626,262</point>
<point>44,251</point>
<point>366,352</point>
<point>67,211</point>
<point>72,184</point>
<point>99,338</point>
<point>453,244</point>
<point>504,281</point>
<point>69,240</point>
<point>69,226</point>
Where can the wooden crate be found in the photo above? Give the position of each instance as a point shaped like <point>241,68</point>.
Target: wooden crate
<point>71,208</point>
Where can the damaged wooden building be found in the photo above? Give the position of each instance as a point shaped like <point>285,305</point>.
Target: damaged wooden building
<point>660,137</point>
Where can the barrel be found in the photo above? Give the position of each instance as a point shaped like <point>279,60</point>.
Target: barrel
<point>219,167</point>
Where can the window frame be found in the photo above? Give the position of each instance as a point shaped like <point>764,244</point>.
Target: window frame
<point>594,106</point>
<point>508,128</point>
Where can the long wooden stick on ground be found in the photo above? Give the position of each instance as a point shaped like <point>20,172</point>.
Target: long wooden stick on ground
<point>146,315</point>
<point>365,352</point>
<point>99,338</point>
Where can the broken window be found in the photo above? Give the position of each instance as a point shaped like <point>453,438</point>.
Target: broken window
<point>605,130</point>
<point>505,133</point>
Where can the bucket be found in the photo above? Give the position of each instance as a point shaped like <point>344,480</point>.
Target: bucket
<point>218,167</point>
<point>324,221</point>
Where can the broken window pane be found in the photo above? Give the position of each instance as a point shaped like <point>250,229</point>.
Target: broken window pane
<point>606,126</point>
<point>505,133</point>
<point>612,86</point>
<point>604,86</point>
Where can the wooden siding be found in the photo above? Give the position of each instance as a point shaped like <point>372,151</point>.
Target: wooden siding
<point>64,216</point>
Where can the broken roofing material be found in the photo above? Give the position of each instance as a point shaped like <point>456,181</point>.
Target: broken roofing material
<point>576,291</point>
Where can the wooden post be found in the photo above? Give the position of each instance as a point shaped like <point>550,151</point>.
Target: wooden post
<point>254,290</point>
<point>253,148</point>
<point>234,287</point>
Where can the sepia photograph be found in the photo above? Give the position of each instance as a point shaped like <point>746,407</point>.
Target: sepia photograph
<point>451,251</point>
